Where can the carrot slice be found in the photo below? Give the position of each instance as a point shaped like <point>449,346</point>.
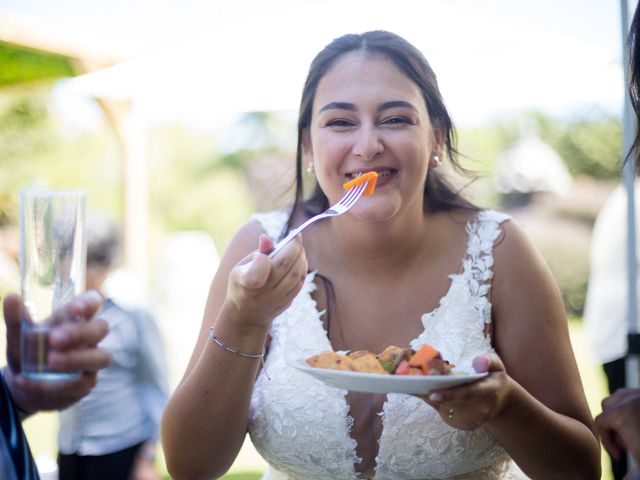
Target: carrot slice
<point>423,356</point>
<point>370,177</point>
<point>405,369</point>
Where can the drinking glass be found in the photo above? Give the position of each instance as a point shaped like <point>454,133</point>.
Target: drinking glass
<point>52,270</point>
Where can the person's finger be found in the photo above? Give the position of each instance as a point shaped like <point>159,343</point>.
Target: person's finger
<point>254,274</point>
<point>296,275</point>
<point>76,335</point>
<point>487,363</point>
<point>618,396</point>
<point>265,244</point>
<point>85,360</point>
<point>34,395</point>
<point>608,438</point>
<point>87,304</point>
<point>289,264</point>
<point>480,364</point>
<point>12,309</point>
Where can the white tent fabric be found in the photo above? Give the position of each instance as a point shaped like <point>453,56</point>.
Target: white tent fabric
<point>532,166</point>
<point>485,66</point>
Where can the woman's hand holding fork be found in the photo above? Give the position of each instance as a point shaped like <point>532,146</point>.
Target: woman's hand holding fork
<point>260,288</point>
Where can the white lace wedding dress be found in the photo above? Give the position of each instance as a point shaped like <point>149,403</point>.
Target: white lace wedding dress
<point>302,427</point>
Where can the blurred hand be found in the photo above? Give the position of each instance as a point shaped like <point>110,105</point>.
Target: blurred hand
<point>73,347</point>
<point>619,423</point>
<point>472,405</point>
<point>260,288</point>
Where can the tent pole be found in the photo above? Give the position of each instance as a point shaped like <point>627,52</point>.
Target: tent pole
<point>632,363</point>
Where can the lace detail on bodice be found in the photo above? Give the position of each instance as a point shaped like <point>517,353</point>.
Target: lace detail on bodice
<point>302,427</point>
<point>297,424</point>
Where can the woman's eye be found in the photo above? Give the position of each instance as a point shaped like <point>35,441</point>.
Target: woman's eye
<point>397,121</point>
<point>339,122</point>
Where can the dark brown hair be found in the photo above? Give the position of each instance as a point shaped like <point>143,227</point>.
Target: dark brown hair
<point>634,84</point>
<point>438,194</point>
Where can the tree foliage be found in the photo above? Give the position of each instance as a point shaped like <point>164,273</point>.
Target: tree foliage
<point>34,151</point>
<point>20,65</point>
<point>589,145</point>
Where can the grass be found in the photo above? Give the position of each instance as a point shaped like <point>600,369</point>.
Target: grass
<point>41,428</point>
<point>243,476</point>
<point>234,476</point>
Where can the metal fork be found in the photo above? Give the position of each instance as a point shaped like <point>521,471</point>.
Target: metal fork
<point>343,205</point>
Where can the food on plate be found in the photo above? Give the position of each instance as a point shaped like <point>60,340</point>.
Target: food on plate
<point>332,360</point>
<point>391,356</point>
<point>360,353</point>
<point>368,363</point>
<point>370,177</point>
<point>393,360</point>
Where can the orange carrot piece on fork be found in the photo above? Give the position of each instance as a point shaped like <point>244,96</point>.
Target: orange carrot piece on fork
<point>370,177</point>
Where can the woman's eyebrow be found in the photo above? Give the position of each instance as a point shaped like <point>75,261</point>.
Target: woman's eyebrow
<point>383,106</point>
<point>395,104</point>
<point>338,106</point>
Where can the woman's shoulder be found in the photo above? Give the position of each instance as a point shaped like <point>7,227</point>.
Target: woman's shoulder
<point>499,233</point>
<point>516,256</point>
<point>472,219</point>
<point>488,215</point>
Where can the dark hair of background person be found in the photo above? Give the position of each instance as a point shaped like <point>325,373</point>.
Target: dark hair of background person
<point>103,241</point>
<point>634,84</point>
<point>439,195</point>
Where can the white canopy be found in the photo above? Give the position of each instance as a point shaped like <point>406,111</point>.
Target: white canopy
<point>485,64</point>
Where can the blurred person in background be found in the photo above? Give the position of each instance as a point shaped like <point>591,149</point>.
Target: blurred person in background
<point>605,312</point>
<point>73,347</point>
<point>619,422</point>
<point>113,432</point>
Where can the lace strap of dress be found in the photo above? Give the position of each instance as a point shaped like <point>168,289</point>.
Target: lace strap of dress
<point>478,263</point>
<point>272,222</point>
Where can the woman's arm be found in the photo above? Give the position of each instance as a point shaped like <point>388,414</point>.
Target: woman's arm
<point>532,401</point>
<point>546,411</point>
<point>205,422</point>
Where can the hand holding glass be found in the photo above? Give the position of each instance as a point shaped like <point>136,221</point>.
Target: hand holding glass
<point>52,270</point>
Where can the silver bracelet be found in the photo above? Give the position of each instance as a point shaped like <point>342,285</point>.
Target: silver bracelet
<point>252,356</point>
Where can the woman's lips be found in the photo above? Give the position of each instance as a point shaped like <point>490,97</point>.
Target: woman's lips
<point>382,173</point>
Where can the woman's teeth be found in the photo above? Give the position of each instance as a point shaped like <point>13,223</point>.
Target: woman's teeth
<point>381,173</point>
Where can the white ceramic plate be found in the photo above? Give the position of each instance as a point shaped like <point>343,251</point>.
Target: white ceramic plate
<point>377,383</point>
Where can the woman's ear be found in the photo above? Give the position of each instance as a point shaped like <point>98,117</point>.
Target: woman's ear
<point>438,139</point>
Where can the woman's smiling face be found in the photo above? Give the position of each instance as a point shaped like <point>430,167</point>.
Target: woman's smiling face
<point>367,115</point>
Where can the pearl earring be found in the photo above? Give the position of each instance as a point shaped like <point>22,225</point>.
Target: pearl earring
<point>310,167</point>
<point>437,161</point>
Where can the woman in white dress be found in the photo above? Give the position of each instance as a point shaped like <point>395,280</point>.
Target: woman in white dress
<point>414,263</point>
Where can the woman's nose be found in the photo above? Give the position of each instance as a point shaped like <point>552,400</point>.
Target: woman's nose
<point>367,143</point>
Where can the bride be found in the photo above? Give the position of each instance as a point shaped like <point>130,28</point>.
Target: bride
<point>413,264</point>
